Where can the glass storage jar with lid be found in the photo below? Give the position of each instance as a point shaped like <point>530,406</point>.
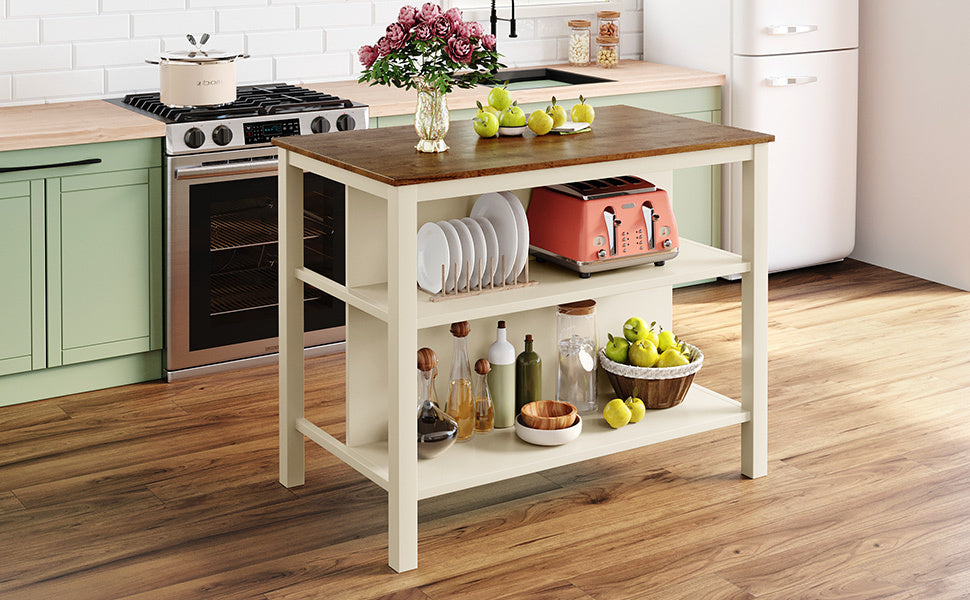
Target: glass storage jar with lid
<point>576,341</point>
<point>579,42</point>
<point>609,23</point>
<point>608,53</point>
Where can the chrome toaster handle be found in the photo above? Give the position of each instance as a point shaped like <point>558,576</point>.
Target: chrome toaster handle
<point>648,225</point>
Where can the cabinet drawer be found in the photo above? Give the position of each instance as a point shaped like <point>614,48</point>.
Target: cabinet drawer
<point>770,27</point>
<point>83,159</point>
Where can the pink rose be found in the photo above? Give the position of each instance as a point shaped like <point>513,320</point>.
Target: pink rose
<point>368,56</point>
<point>488,42</point>
<point>396,35</point>
<point>471,29</point>
<point>429,12</point>
<point>441,27</point>
<point>407,17</point>
<point>454,15</point>
<point>384,46</point>
<point>422,31</point>
<point>460,50</point>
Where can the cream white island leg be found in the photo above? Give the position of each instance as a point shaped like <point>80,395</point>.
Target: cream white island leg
<point>754,314</point>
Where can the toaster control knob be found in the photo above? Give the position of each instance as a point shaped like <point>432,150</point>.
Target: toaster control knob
<point>194,137</point>
<point>222,135</point>
<point>601,254</point>
<point>668,243</point>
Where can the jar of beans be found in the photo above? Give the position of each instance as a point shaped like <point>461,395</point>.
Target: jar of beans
<point>608,53</point>
<point>609,23</point>
<point>579,42</point>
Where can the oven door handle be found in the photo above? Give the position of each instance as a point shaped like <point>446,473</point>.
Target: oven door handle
<point>240,168</point>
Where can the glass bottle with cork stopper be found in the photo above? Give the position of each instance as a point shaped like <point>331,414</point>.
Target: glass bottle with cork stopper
<point>579,42</point>
<point>437,431</point>
<point>484,412</point>
<point>461,403</point>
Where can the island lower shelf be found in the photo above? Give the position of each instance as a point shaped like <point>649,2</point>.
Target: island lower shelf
<point>500,454</point>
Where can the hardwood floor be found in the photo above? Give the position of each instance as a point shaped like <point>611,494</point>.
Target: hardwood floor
<point>169,490</point>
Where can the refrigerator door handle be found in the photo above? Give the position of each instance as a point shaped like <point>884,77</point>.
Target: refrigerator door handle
<point>789,29</point>
<point>790,80</point>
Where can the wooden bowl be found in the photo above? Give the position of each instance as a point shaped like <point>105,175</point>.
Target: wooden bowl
<point>548,414</point>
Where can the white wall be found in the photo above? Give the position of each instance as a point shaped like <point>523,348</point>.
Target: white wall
<point>58,50</point>
<point>913,211</point>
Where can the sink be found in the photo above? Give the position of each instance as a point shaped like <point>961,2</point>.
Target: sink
<point>527,79</point>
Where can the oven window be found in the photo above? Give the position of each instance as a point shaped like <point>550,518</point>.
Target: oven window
<point>233,290</point>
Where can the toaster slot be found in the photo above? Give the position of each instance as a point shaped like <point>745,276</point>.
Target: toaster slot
<point>609,215</point>
<point>648,219</point>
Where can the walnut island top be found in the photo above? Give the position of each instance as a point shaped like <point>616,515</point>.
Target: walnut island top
<point>387,154</point>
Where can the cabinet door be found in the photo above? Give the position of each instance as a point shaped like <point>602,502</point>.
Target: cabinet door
<point>102,269</point>
<point>22,274</point>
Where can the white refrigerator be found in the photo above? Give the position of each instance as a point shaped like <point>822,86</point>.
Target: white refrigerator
<point>792,71</point>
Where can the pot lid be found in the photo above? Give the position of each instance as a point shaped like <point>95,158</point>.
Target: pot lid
<point>200,56</point>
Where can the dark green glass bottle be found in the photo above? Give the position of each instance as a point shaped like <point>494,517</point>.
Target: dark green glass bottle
<point>528,376</point>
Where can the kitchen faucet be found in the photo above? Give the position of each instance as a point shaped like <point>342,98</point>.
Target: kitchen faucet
<point>494,19</point>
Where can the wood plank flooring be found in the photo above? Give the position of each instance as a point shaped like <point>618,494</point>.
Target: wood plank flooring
<point>158,491</point>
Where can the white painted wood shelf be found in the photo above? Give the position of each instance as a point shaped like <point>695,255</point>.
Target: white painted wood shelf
<point>385,311</point>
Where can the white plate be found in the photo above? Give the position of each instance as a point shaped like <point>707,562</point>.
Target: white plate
<point>432,255</point>
<point>522,231</point>
<point>467,251</point>
<point>491,246</point>
<point>454,254</point>
<point>498,211</point>
<point>481,251</point>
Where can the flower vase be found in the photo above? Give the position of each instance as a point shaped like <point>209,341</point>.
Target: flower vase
<point>431,119</point>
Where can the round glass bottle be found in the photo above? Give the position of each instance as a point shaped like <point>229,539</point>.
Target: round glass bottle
<point>437,431</point>
<point>579,42</point>
<point>576,341</point>
<point>461,403</point>
<point>484,412</point>
<point>528,376</point>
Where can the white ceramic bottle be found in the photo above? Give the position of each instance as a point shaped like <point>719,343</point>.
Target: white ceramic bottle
<point>501,378</point>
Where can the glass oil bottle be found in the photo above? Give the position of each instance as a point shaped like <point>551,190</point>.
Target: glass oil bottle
<point>461,402</point>
<point>484,411</point>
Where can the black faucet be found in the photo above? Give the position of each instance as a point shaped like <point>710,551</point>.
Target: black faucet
<point>494,19</point>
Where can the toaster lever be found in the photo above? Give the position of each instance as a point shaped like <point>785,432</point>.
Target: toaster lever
<point>648,223</point>
<point>611,224</point>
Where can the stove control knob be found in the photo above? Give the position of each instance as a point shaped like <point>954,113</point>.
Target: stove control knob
<point>194,138</point>
<point>345,123</point>
<point>319,125</point>
<point>222,135</point>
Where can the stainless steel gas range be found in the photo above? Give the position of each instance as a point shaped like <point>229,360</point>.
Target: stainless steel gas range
<point>221,234</point>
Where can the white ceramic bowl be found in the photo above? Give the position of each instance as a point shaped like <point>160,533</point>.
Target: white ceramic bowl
<point>512,130</point>
<point>548,437</point>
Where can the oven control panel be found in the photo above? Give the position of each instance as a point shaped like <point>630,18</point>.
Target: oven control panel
<point>263,131</point>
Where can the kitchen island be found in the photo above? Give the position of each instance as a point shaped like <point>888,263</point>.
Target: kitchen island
<point>388,183</point>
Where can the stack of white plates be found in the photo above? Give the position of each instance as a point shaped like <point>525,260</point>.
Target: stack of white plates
<point>490,245</point>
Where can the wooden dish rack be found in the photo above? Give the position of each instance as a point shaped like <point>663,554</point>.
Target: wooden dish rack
<point>522,280</point>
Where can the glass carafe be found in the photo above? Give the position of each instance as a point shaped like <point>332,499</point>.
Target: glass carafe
<point>576,341</point>
<point>437,431</point>
<point>461,403</point>
<point>484,411</point>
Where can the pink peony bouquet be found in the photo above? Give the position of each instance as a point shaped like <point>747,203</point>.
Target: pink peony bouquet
<point>438,48</point>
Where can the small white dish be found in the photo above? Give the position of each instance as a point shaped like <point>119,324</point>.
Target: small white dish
<point>498,211</point>
<point>433,254</point>
<point>522,232</point>
<point>467,252</point>
<point>548,437</point>
<point>511,131</point>
<point>492,251</point>
<point>454,254</point>
<point>481,250</point>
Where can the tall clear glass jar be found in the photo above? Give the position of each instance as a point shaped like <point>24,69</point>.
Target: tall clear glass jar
<point>461,401</point>
<point>576,339</point>
<point>579,42</point>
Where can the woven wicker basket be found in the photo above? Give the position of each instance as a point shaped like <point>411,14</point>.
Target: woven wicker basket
<point>657,387</point>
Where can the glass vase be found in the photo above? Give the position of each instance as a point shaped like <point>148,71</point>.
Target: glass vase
<point>431,118</point>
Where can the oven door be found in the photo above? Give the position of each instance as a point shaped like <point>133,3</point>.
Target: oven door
<point>222,257</point>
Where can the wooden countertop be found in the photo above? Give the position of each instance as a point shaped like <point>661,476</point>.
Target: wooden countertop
<point>629,77</point>
<point>69,123</point>
<point>619,132</point>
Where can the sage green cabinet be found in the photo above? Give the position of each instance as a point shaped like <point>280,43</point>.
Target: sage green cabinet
<point>696,193</point>
<point>81,237</point>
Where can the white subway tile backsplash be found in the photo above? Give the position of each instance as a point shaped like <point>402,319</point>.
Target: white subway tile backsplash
<point>127,80</point>
<point>36,58</point>
<point>225,3</point>
<point>255,70</point>
<point>110,54</point>
<point>71,29</point>
<point>285,42</point>
<point>140,5</point>
<point>258,19</point>
<point>41,86</point>
<point>302,69</point>
<point>35,8</point>
<point>230,42</point>
<point>352,38</point>
<point>5,91</point>
<point>172,23</point>
<point>19,31</point>
<point>343,14</point>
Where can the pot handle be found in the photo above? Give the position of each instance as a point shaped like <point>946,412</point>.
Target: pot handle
<point>153,62</point>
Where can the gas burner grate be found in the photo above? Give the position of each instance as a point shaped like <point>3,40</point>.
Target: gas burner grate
<point>251,101</point>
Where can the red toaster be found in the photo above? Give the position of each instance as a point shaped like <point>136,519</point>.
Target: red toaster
<point>602,224</point>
